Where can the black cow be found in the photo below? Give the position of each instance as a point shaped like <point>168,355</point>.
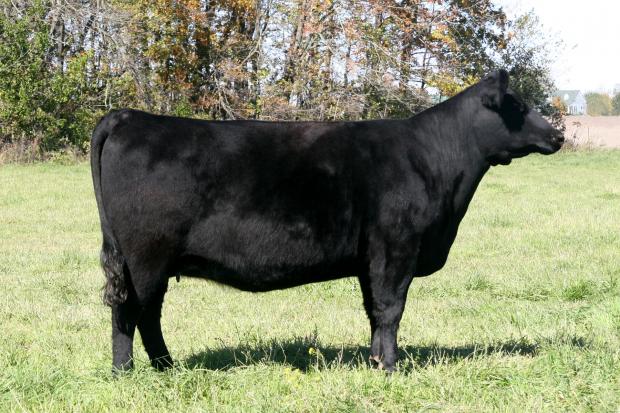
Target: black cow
<point>271,205</point>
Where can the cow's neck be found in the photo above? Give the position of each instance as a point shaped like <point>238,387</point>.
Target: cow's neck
<point>459,165</point>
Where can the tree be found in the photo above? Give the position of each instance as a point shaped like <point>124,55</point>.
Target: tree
<point>528,56</point>
<point>599,104</point>
<point>40,101</point>
<point>615,103</point>
<point>65,62</point>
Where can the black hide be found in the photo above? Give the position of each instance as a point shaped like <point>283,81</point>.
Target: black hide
<point>269,205</point>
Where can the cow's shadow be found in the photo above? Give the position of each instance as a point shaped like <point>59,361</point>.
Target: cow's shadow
<point>305,354</point>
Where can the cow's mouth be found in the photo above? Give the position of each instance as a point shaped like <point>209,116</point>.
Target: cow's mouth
<point>553,144</point>
<point>548,148</point>
<point>544,148</point>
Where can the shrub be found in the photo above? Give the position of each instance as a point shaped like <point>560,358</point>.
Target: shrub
<point>40,102</point>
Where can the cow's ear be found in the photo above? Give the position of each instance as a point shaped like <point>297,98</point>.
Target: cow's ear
<point>494,89</point>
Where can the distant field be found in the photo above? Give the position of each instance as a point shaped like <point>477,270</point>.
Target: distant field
<point>524,317</point>
<point>596,130</point>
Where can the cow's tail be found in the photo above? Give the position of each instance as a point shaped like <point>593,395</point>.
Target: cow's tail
<point>112,261</point>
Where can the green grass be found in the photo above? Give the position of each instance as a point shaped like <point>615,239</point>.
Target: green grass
<point>524,317</point>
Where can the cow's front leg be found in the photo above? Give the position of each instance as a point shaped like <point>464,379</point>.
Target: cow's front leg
<point>385,293</point>
<point>388,306</point>
<point>375,339</point>
<point>388,313</point>
<point>124,319</point>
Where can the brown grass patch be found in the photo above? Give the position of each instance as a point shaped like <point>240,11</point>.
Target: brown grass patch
<point>593,131</point>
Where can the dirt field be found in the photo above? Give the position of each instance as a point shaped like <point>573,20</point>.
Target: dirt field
<point>594,130</point>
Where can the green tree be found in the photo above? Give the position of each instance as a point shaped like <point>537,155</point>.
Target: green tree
<point>615,103</point>
<point>528,56</point>
<point>39,101</point>
<point>599,104</point>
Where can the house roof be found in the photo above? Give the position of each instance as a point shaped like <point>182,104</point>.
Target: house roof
<point>567,96</point>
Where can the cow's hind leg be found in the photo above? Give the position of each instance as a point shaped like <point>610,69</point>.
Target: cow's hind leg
<point>149,326</point>
<point>146,282</point>
<point>120,295</point>
<point>124,319</point>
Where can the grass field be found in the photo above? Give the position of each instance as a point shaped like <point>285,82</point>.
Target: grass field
<point>524,317</point>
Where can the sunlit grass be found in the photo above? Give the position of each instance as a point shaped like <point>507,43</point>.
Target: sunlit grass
<point>524,317</point>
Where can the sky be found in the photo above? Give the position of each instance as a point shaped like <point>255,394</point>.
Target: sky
<point>590,60</point>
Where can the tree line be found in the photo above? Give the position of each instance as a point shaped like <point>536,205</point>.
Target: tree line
<point>64,63</point>
<point>602,104</point>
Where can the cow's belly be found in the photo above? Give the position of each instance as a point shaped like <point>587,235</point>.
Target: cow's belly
<point>256,254</point>
<point>263,278</point>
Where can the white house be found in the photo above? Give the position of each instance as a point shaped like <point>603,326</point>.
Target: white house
<point>574,100</point>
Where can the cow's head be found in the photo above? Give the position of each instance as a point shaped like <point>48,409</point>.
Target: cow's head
<point>507,127</point>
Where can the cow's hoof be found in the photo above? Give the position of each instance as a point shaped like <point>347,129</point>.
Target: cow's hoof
<point>162,363</point>
<point>122,369</point>
<point>389,369</point>
<point>375,361</point>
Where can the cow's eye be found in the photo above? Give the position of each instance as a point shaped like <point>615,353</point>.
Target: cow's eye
<point>513,112</point>
<point>516,105</point>
<point>521,107</point>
